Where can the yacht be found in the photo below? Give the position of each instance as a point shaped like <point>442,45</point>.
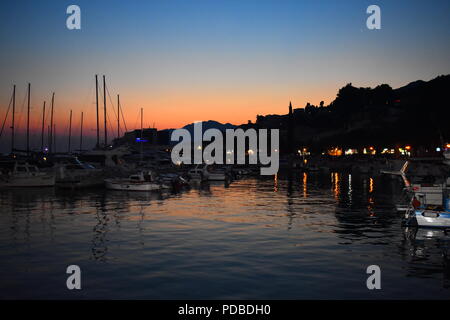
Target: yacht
<point>26,175</point>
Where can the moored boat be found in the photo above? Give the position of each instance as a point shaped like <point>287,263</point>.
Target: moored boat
<point>142,181</point>
<point>426,215</point>
<point>72,173</point>
<point>26,175</point>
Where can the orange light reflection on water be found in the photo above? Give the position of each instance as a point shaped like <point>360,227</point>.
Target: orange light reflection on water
<point>305,184</point>
<point>335,182</point>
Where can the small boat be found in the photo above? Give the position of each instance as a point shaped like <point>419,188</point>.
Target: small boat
<point>432,216</point>
<point>26,175</point>
<point>142,181</point>
<point>208,174</point>
<point>72,173</point>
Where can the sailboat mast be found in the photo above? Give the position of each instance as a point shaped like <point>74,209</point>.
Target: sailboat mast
<point>104,110</point>
<point>142,129</point>
<point>96,103</point>
<point>118,117</point>
<point>28,120</point>
<point>70,130</point>
<point>81,132</point>
<point>42,131</point>
<point>54,136</point>
<point>13,114</point>
<point>51,124</point>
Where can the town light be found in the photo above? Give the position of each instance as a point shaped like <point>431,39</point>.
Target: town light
<point>335,152</point>
<point>408,148</point>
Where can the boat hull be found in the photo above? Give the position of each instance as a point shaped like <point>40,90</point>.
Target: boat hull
<point>77,184</point>
<point>35,181</point>
<point>432,219</point>
<point>127,186</point>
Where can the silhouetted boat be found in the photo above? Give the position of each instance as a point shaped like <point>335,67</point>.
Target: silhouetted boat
<point>206,173</point>
<point>26,175</point>
<point>142,181</point>
<point>72,173</point>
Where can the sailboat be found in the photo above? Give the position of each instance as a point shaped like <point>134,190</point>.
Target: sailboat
<point>142,181</point>
<point>26,175</point>
<point>72,173</point>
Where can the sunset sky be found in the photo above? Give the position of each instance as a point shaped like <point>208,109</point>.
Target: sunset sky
<point>225,60</point>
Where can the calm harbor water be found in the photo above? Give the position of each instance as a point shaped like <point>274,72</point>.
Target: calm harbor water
<point>308,237</point>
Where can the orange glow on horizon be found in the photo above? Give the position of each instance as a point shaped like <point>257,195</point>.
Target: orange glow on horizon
<point>164,110</point>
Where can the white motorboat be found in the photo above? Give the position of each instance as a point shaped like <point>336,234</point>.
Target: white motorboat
<point>142,181</point>
<point>26,175</point>
<point>429,215</point>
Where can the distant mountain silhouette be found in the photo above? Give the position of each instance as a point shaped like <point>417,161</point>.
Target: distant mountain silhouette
<point>210,124</point>
<point>411,86</point>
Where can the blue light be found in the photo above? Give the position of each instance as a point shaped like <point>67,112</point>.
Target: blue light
<point>141,140</point>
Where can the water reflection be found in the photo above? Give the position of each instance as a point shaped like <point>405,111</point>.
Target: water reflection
<point>427,251</point>
<point>222,241</point>
<point>100,231</point>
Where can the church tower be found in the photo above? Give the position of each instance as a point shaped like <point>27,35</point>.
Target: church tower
<point>290,137</point>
